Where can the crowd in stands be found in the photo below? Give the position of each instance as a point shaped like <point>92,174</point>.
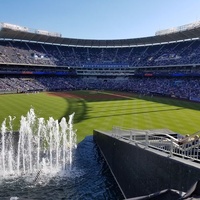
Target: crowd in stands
<point>167,58</point>
<point>186,88</point>
<point>18,85</point>
<point>179,53</point>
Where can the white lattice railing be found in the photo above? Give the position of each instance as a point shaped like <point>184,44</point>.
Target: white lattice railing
<point>162,140</point>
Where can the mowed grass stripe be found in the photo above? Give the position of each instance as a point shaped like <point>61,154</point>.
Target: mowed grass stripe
<point>112,109</point>
<point>20,104</point>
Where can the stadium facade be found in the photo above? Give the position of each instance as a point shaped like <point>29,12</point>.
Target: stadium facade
<point>140,65</point>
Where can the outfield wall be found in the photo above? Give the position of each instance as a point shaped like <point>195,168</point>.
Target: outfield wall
<point>142,171</point>
<point>8,92</point>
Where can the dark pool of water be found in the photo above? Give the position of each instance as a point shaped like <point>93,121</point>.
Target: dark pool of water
<point>88,179</point>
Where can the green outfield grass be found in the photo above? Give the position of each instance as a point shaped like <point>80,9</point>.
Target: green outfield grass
<point>103,110</point>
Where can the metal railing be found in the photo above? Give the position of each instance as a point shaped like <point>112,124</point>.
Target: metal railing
<point>172,144</point>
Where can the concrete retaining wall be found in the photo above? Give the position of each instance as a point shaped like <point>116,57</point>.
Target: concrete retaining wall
<point>141,171</point>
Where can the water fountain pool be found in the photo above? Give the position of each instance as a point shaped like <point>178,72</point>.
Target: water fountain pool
<point>65,170</point>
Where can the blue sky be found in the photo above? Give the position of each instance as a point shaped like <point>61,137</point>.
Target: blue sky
<point>100,19</point>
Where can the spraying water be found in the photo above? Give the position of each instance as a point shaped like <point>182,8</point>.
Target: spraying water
<point>39,145</point>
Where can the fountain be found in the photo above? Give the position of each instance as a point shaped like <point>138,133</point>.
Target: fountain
<point>39,145</point>
<point>42,161</point>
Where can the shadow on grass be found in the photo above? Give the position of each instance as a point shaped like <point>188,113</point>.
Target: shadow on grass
<point>78,103</point>
<point>77,106</point>
<point>106,96</point>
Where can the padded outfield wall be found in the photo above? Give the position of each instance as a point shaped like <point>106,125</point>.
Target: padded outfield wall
<point>142,171</point>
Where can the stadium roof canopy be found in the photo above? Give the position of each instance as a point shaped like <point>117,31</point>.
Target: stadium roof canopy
<point>182,33</point>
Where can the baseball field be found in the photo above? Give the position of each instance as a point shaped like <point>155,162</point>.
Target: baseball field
<point>104,109</point>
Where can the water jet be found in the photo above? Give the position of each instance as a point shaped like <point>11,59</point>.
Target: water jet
<point>39,144</point>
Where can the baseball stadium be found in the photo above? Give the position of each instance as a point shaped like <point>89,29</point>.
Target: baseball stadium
<point>142,83</point>
<point>148,83</point>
